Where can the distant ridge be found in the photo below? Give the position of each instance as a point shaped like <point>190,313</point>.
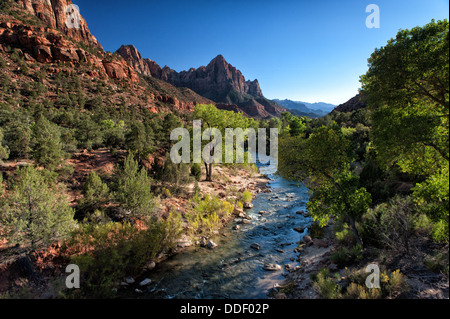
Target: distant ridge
<point>355,103</point>
<point>312,110</point>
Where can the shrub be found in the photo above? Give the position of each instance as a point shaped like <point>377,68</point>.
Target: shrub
<point>438,263</point>
<point>4,150</point>
<point>326,286</point>
<point>394,284</point>
<point>106,253</point>
<point>247,197</point>
<point>196,171</point>
<point>133,189</point>
<point>208,213</point>
<point>394,224</point>
<point>34,213</point>
<point>355,291</point>
<point>345,257</point>
<point>95,193</point>
<point>343,234</point>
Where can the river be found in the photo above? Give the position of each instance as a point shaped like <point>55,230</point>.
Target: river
<point>235,270</point>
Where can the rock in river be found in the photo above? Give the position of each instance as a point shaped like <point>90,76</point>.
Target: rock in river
<point>145,282</point>
<point>271,267</point>
<point>255,246</point>
<point>211,244</point>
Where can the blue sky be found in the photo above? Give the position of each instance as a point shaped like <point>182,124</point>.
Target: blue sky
<point>312,51</point>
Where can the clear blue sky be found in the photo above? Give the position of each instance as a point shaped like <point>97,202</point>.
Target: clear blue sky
<point>312,51</point>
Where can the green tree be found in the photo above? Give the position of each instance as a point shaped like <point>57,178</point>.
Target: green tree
<point>47,146</point>
<point>323,160</point>
<point>18,138</point>
<point>34,213</point>
<point>212,117</point>
<point>4,150</point>
<point>95,193</point>
<point>88,133</point>
<point>170,122</point>
<point>297,126</point>
<point>407,89</point>
<point>140,140</point>
<point>133,189</point>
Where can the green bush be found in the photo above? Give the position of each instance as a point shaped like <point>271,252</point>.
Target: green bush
<point>392,285</point>
<point>343,234</point>
<point>394,224</point>
<point>133,189</point>
<point>438,263</point>
<point>95,193</point>
<point>106,253</point>
<point>47,146</point>
<point>326,286</point>
<point>196,171</point>
<point>34,213</point>
<point>247,197</point>
<point>208,214</point>
<point>356,291</point>
<point>344,256</point>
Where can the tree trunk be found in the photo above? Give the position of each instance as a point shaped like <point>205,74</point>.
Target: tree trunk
<point>208,172</point>
<point>355,231</point>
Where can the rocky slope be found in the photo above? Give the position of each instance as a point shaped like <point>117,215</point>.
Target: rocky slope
<point>58,14</point>
<point>34,32</point>
<point>146,67</point>
<point>219,81</point>
<point>355,103</point>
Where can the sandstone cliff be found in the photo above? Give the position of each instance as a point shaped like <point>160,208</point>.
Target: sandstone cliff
<point>219,81</point>
<point>60,15</point>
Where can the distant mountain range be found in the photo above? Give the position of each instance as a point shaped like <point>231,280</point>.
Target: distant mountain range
<point>313,110</point>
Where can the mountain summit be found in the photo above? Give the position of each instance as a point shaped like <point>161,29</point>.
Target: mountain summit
<point>219,81</point>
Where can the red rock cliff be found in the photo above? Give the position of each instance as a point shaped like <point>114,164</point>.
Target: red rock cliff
<point>60,15</point>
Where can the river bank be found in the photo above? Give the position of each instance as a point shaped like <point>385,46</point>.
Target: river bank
<point>314,254</point>
<point>253,254</point>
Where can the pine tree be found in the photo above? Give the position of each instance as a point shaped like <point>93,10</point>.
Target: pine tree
<point>48,149</point>
<point>133,189</point>
<point>95,193</point>
<point>4,150</point>
<point>33,213</point>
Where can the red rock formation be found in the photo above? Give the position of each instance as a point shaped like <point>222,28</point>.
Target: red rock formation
<point>50,46</point>
<point>120,70</point>
<point>219,82</point>
<point>59,14</point>
<point>214,80</point>
<point>146,67</point>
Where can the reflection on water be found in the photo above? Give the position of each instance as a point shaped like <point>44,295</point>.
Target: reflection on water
<point>235,270</point>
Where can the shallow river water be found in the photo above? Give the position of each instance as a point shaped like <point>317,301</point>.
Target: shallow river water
<point>234,269</point>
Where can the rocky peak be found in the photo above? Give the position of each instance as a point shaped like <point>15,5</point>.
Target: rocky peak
<point>58,15</point>
<point>219,81</point>
<point>146,67</point>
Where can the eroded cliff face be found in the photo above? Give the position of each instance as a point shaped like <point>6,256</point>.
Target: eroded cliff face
<point>53,40</point>
<point>61,15</point>
<point>219,81</point>
<point>146,67</point>
<point>36,33</point>
<point>213,81</point>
